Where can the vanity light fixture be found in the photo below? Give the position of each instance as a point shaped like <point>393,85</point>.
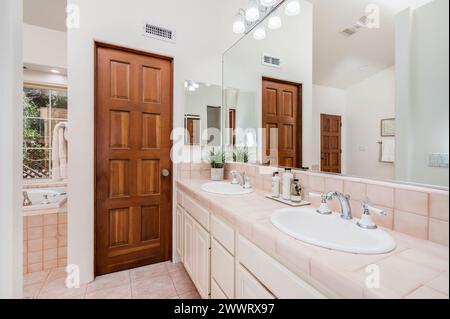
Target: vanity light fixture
<point>239,24</point>
<point>268,3</point>
<point>292,8</point>
<point>274,22</point>
<point>260,33</point>
<point>252,12</point>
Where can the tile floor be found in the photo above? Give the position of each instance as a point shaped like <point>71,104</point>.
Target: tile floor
<point>160,281</point>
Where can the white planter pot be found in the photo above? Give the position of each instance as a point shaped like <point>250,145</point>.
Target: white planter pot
<point>217,174</point>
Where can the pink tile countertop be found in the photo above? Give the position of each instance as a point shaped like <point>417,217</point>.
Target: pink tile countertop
<point>416,269</point>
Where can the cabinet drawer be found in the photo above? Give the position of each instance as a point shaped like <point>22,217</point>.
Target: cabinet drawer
<point>222,268</point>
<point>216,292</point>
<point>223,233</point>
<point>200,214</point>
<point>278,279</point>
<point>247,287</point>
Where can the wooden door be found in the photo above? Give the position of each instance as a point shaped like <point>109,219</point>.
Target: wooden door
<point>282,111</point>
<point>330,132</point>
<point>132,131</point>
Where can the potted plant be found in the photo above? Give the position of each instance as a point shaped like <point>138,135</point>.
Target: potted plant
<point>240,155</point>
<point>217,160</point>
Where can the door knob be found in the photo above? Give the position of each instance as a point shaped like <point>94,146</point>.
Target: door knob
<point>165,173</point>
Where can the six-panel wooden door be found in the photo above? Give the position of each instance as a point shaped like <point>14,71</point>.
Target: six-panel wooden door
<point>133,183</point>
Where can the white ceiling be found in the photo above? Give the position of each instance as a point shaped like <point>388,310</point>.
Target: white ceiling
<point>340,61</point>
<point>49,14</point>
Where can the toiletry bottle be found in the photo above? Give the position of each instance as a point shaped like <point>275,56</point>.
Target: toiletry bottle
<point>296,191</point>
<point>276,185</point>
<point>288,177</point>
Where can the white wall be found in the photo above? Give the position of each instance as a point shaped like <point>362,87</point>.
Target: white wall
<point>11,237</point>
<point>330,101</point>
<point>202,35</point>
<point>44,47</point>
<point>424,99</point>
<point>368,103</point>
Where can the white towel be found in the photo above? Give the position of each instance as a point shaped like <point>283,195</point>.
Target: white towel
<point>59,151</point>
<point>388,151</point>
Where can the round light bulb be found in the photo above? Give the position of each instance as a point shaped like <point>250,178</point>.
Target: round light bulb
<point>239,24</point>
<point>260,33</point>
<point>292,8</point>
<point>252,12</point>
<point>275,22</point>
<point>268,3</point>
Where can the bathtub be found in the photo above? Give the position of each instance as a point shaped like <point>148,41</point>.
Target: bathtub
<point>57,198</point>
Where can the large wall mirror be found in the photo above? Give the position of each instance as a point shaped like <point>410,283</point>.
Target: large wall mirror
<point>203,114</point>
<point>346,87</point>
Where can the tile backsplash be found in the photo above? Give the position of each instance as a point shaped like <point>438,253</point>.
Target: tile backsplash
<point>413,210</point>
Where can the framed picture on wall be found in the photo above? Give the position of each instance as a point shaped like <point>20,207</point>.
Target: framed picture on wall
<point>388,127</point>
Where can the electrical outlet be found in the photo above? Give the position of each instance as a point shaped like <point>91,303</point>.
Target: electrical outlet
<point>438,160</point>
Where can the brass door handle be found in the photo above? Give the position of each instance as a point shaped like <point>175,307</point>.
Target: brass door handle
<point>165,173</point>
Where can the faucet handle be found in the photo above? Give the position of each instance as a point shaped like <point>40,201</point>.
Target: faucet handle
<point>368,209</point>
<point>324,209</point>
<point>366,221</point>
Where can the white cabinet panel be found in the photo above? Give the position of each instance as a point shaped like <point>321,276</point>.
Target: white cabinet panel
<point>247,287</point>
<point>222,268</point>
<point>223,233</point>
<point>216,292</point>
<point>179,232</point>
<point>199,213</point>
<point>273,275</point>
<point>202,273</point>
<point>188,245</point>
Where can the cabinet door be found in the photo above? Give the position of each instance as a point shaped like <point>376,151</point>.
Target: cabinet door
<point>179,231</point>
<point>216,292</point>
<point>188,245</point>
<point>222,268</point>
<point>247,287</point>
<point>202,253</point>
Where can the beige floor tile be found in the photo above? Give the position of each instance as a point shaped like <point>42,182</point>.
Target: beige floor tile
<point>109,281</point>
<point>148,272</point>
<point>182,282</point>
<point>154,288</point>
<point>120,292</point>
<point>190,295</point>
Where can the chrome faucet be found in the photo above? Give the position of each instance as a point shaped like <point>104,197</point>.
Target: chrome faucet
<point>26,199</point>
<point>344,200</point>
<point>244,181</point>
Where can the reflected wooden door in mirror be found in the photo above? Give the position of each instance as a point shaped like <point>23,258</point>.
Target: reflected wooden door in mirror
<point>282,113</point>
<point>331,152</point>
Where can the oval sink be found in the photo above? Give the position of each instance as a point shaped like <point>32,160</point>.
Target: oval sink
<point>225,188</point>
<point>332,232</point>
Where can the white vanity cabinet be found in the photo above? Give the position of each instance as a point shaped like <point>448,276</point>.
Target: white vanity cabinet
<point>224,265</point>
<point>194,244</point>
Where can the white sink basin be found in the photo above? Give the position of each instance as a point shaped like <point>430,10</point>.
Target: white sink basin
<point>332,232</point>
<point>225,188</point>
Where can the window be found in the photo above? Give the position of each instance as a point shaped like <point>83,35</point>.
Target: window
<point>43,108</point>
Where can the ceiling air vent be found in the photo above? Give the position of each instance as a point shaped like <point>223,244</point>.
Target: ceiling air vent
<point>160,33</point>
<point>355,27</point>
<point>272,61</point>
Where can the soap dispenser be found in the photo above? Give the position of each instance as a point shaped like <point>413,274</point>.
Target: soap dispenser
<point>276,180</point>
<point>296,192</point>
<point>288,177</point>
